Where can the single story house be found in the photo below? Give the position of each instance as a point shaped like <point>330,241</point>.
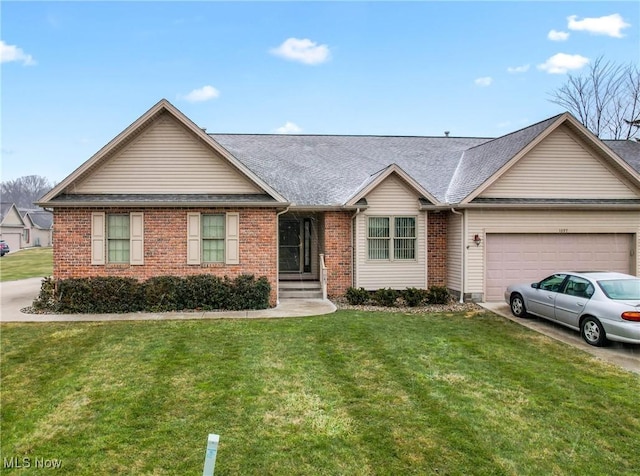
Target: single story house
<point>165,197</point>
<point>25,228</point>
<point>11,225</point>
<point>38,229</point>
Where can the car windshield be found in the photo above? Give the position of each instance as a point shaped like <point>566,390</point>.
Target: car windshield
<point>621,288</point>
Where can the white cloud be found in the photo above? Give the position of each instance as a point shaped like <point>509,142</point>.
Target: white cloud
<point>289,128</point>
<point>555,35</point>
<point>302,50</point>
<point>518,69</point>
<point>205,93</point>
<point>9,53</point>
<point>610,25</point>
<point>484,81</point>
<point>562,63</point>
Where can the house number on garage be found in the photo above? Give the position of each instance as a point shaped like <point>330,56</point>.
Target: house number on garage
<point>563,230</point>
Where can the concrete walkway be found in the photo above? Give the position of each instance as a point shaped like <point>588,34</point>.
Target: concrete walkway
<point>16,295</point>
<point>626,356</point>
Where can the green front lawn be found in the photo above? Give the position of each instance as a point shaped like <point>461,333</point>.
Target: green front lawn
<point>353,393</point>
<point>27,263</point>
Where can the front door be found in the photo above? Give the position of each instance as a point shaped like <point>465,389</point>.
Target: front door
<point>290,246</point>
<point>295,245</point>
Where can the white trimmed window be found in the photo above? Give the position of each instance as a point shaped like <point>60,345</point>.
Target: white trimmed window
<point>213,238</point>
<point>117,238</point>
<point>385,234</point>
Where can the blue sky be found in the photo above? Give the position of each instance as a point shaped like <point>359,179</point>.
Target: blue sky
<point>75,74</point>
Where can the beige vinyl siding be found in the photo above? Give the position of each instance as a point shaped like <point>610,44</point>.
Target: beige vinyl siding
<point>392,198</point>
<point>166,158</point>
<point>454,252</point>
<point>482,222</point>
<point>12,218</point>
<point>560,167</point>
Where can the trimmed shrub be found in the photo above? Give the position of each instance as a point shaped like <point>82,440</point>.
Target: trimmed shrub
<point>385,297</point>
<point>159,294</point>
<point>163,293</point>
<point>205,291</point>
<point>438,295</point>
<point>249,293</point>
<point>414,297</point>
<point>357,296</point>
<point>99,295</point>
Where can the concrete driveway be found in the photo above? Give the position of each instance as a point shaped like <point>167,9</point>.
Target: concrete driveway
<point>626,356</point>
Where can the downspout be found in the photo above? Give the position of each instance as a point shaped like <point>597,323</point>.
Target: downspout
<point>278,253</point>
<point>353,247</point>
<point>463,251</point>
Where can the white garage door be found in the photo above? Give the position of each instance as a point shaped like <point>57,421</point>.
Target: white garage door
<point>513,258</point>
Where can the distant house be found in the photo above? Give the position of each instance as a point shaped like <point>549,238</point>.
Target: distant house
<point>11,225</point>
<point>25,228</point>
<point>311,211</point>
<point>38,229</point>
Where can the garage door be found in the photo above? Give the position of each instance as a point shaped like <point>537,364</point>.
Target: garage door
<point>513,258</point>
<point>13,240</point>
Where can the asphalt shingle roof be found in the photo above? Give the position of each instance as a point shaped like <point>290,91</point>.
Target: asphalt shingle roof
<point>328,170</point>
<point>628,150</point>
<point>144,199</point>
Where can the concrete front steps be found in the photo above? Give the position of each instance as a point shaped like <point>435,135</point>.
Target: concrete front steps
<point>300,290</point>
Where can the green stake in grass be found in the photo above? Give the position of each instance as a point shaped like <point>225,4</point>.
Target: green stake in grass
<point>210,457</point>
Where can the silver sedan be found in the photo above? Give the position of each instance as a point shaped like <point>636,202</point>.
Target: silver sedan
<point>602,306</point>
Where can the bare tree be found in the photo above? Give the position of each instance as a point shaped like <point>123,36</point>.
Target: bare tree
<point>606,99</point>
<point>24,191</point>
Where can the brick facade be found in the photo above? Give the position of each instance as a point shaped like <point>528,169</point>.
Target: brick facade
<point>436,249</point>
<point>165,245</point>
<point>338,252</point>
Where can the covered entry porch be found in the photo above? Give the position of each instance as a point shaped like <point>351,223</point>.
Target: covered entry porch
<point>301,266</point>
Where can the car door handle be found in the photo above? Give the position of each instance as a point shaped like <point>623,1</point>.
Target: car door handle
<point>580,304</point>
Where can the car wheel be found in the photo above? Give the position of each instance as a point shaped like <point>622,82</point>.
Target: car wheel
<point>592,332</point>
<point>517,306</point>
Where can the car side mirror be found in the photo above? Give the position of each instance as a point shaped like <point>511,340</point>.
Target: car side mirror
<point>535,285</point>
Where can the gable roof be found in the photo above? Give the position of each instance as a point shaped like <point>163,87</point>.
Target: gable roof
<point>40,218</point>
<point>330,170</point>
<point>480,163</point>
<point>125,137</point>
<point>9,208</point>
<point>338,171</point>
<point>481,166</point>
<point>377,178</point>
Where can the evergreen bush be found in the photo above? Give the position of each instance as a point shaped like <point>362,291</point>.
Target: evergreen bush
<point>357,296</point>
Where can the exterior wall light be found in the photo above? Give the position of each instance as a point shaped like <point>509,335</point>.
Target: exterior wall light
<point>477,240</point>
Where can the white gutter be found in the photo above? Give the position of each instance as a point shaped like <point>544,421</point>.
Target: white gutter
<point>353,246</point>
<point>463,251</point>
